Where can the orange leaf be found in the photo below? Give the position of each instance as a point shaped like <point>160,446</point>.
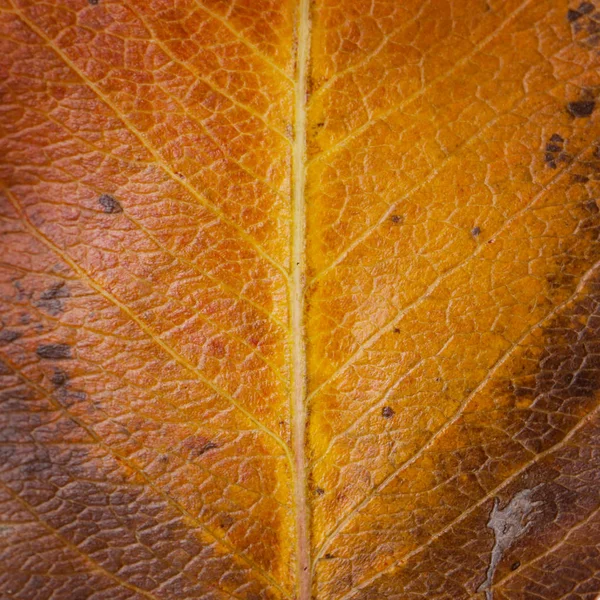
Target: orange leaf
<point>301,299</point>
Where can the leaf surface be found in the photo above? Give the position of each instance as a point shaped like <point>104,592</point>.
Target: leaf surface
<point>300,299</point>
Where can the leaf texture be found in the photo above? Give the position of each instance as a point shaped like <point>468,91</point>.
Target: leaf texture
<point>300,299</point>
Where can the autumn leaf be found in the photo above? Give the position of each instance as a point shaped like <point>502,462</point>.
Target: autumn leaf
<point>300,299</point>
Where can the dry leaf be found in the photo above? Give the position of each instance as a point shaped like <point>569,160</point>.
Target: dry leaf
<point>300,299</point>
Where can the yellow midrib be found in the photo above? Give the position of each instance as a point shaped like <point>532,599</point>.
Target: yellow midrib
<point>297,288</point>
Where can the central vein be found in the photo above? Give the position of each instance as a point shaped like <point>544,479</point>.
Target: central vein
<point>297,304</point>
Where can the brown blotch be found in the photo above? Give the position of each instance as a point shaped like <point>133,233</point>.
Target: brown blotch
<point>581,109</point>
<point>52,299</point>
<point>109,204</point>
<point>475,231</point>
<point>319,491</point>
<point>59,377</point>
<point>397,219</point>
<point>93,2</point>
<point>387,412</point>
<point>556,138</point>
<point>54,351</point>
<point>9,335</point>
<point>206,448</point>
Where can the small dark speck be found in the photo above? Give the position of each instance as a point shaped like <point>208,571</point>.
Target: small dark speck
<point>109,204</point>
<point>556,138</point>
<point>475,231</point>
<point>59,378</point>
<point>396,330</point>
<point>553,148</point>
<point>93,2</point>
<point>206,448</point>
<point>387,412</point>
<point>329,556</point>
<point>515,565</point>
<point>319,491</point>
<point>9,335</point>
<point>549,157</point>
<point>397,219</point>
<point>573,15</point>
<point>582,108</point>
<point>55,351</point>
<point>580,178</point>
<point>585,8</point>
<point>551,164</point>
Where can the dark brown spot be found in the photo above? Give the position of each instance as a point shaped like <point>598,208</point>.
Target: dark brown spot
<point>206,448</point>
<point>54,351</point>
<point>556,138</point>
<point>515,565</point>
<point>398,219</point>
<point>396,330</point>
<point>51,299</point>
<point>582,108</point>
<point>109,204</point>
<point>553,148</point>
<point>573,15</point>
<point>59,377</point>
<point>8,335</point>
<point>329,556</point>
<point>387,412</point>
<point>475,231</point>
<point>93,2</point>
<point>319,491</point>
<point>579,178</point>
<point>585,8</point>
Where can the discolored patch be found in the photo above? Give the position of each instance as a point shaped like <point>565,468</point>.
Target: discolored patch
<point>581,109</point>
<point>508,524</point>
<point>109,204</point>
<point>54,351</point>
<point>52,300</point>
<point>9,335</point>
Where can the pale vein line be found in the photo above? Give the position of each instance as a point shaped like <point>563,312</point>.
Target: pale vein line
<point>297,308</point>
<point>372,339</point>
<point>476,48</point>
<point>494,492</point>
<point>213,472</point>
<point>217,211</point>
<point>192,265</point>
<point>96,566</point>
<point>164,47</point>
<point>217,327</point>
<point>457,414</point>
<point>556,546</point>
<point>125,460</point>
<point>125,309</point>
<point>243,40</point>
